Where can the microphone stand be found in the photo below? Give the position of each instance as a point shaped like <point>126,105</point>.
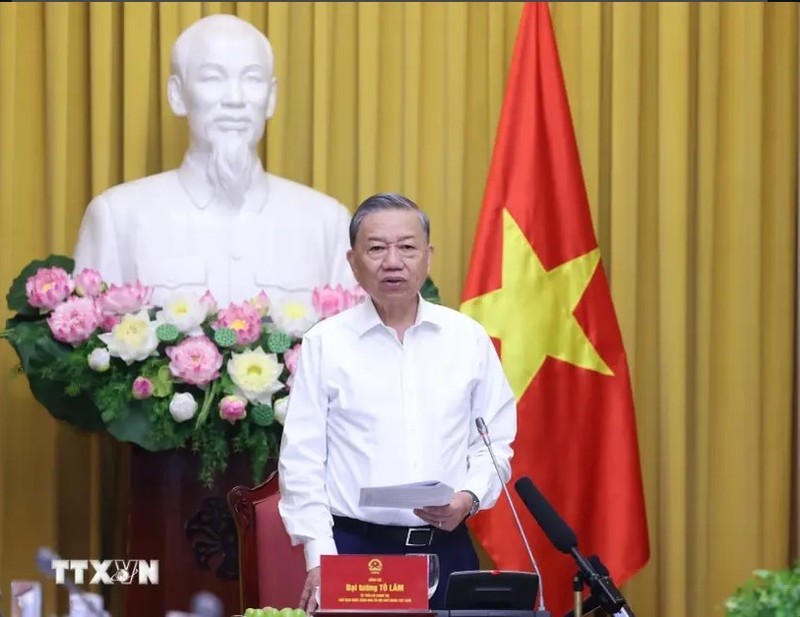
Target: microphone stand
<point>577,588</point>
<point>603,588</point>
<point>483,431</point>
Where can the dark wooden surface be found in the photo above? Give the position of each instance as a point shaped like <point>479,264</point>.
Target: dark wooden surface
<point>173,518</point>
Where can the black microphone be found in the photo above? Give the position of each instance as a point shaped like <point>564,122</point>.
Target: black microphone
<point>44,563</point>
<point>205,604</point>
<point>563,538</point>
<point>483,431</point>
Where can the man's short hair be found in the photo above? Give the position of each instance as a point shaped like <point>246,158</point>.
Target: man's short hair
<point>386,201</point>
<point>228,24</point>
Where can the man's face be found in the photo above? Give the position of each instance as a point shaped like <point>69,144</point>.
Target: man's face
<point>391,257</point>
<point>228,89</point>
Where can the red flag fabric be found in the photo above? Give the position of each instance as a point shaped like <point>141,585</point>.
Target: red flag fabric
<point>537,285</point>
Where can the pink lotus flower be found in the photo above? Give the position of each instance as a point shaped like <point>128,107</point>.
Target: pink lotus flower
<point>108,321</point>
<point>128,298</point>
<point>329,301</point>
<point>233,408</point>
<point>195,360</point>
<point>357,296</point>
<point>261,303</point>
<point>74,321</point>
<point>89,283</point>
<point>290,358</point>
<point>208,302</point>
<point>244,319</point>
<point>142,388</point>
<point>48,288</point>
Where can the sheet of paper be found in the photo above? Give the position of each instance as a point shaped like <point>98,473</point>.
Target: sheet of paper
<point>414,495</point>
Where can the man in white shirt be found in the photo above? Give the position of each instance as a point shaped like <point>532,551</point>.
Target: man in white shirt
<point>219,222</point>
<point>387,393</point>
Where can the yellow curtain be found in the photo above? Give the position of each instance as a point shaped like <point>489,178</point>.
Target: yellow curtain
<point>686,115</point>
<point>686,121</point>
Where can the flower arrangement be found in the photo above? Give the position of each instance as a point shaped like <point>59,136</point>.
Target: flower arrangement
<point>768,593</point>
<point>185,374</point>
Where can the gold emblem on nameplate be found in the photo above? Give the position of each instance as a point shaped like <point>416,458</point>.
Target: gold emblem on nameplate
<point>375,566</point>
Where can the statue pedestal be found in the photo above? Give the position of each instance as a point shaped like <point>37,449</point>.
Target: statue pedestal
<point>188,528</point>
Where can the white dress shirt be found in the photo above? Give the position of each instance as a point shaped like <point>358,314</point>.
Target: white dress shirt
<point>171,232</point>
<point>368,410</point>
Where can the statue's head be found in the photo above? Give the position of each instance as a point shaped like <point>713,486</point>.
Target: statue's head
<point>222,79</point>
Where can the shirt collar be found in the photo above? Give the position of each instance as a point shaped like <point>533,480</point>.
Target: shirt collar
<point>193,178</point>
<point>367,318</point>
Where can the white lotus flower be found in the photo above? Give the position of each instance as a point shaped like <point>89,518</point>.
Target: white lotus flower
<point>182,407</point>
<point>133,339</point>
<point>280,407</point>
<point>294,317</point>
<point>185,311</point>
<point>99,360</point>
<point>255,374</point>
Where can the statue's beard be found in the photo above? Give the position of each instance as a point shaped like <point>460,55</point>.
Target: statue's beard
<point>230,169</point>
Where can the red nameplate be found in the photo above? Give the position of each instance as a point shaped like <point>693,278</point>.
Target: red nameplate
<point>374,582</point>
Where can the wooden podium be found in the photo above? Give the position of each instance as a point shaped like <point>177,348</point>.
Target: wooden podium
<point>188,528</point>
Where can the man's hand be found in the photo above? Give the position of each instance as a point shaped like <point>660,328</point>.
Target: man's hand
<point>450,516</point>
<point>308,599</point>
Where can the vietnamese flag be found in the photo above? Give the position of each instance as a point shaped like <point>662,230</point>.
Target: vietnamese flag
<point>537,285</point>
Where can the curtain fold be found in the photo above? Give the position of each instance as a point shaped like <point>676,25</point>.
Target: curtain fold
<point>687,122</point>
<point>686,117</point>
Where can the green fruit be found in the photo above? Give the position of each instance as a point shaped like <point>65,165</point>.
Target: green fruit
<point>225,337</point>
<point>167,333</point>
<point>286,612</point>
<point>250,612</point>
<point>278,342</point>
<point>298,612</point>
<point>263,415</point>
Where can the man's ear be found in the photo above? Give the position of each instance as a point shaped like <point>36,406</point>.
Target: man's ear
<point>273,94</point>
<point>351,259</point>
<point>175,96</point>
<point>430,258</point>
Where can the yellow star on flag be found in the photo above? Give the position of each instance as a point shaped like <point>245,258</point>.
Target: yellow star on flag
<point>532,311</point>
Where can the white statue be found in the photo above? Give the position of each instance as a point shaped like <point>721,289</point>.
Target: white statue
<point>219,222</point>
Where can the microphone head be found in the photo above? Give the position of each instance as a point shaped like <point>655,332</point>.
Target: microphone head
<point>44,561</point>
<point>483,431</point>
<point>557,531</point>
<point>205,604</point>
